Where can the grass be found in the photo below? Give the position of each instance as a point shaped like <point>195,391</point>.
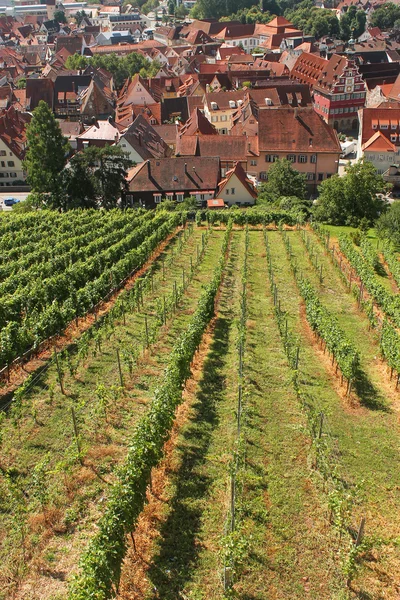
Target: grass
<point>288,546</point>
<point>44,432</point>
<point>280,512</point>
<point>367,439</point>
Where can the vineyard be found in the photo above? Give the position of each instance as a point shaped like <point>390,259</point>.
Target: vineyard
<point>199,409</point>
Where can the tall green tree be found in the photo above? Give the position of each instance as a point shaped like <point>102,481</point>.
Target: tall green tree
<point>95,177</point>
<point>283,180</point>
<point>352,23</point>
<point>349,199</point>
<point>46,155</point>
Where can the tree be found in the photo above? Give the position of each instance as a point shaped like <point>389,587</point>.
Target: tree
<point>352,23</point>
<point>46,154</point>
<point>60,17</point>
<point>388,224</point>
<point>312,20</point>
<point>385,16</point>
<point>95,177</point>
<point>348,199</point>
<point>283,180</point>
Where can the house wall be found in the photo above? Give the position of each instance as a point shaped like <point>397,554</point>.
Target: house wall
<point>382,160</point>
<point>325,165</point>
<point>234,193</point>
<point>126,147</point>
<point>9,172</point>
<point>221,119</point>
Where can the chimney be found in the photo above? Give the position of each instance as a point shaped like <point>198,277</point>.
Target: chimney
<point>185,167</point>
<point>148,168</point>
<point>140,138</point>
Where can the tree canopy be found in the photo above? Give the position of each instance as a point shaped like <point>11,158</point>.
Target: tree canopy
<point>121,68</point>
<point>348,199</point>
<point>283,180</point>
<point>385,16</point>
<point>388,224</point>
<point>312,20</point>
<point>95,177</point>
<point>47,152</point>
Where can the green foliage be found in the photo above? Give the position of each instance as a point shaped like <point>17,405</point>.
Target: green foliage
<point>46,154</point>
<point>392,258</point>
<point>25,206</point>
<point>283,180</point>
<point>48,280</point>
<point>352,23</point>
<point>390,303</point>
<point>121,68</point>
<point>60,17</point>
<point>347,200</point>
<point>95,177</point>
<point>385,16</point>
<point>312,20</point>
<point>101,563</point>
<point>250,15</point>
<point>325,324</point>
<point>21,83</point>
<point>388,224</point>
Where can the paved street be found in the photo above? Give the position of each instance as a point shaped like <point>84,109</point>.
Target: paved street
<point>21,196</point>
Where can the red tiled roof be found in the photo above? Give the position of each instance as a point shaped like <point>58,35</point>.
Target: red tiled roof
<point>175,174</point>
<point>227,147</point>
<point>378,143</point>
<point>377,117</point>
<point>197,124</point>
<point>295,130</point>
<point>13,130</point>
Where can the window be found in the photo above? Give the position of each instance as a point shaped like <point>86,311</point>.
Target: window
<point>253,163</point>
<point>320,176</point>
<point>13,174</point>
<point>157,198</point>
<point>3,164</point>
<point>313,158</point>
<point>291,158</point>
<point>394,126</point>
<point>233,191</point>
<point>263,175</point>
<point>227,191</point>
<point>310,176</point>
<point>270,158</point>
<point>384,126</point>
<point>179,196</point>
<point>302,158</point>
<point>3,153</point>
<point>393,138</point>
<point>11,163</point>
<point>224,117</point>
<point>214,119</point>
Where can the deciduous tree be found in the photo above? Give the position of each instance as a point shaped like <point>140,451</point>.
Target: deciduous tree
<point>283,180</point>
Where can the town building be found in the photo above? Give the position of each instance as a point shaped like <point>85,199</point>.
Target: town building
<point>337,86</point>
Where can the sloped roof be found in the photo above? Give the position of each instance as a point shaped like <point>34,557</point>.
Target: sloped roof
<point>175,174</point>
<point>241,175</point>
<point>378,143</point>
<point>102,130</point>
<point>295,130</point>
<point>197,124</point>
<point>319,72</point>
<point>13,130</point>
<point>373,118</point>
<point>227,147</point>
<point>147,143</point>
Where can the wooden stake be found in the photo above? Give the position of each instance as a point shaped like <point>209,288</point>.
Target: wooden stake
<point>75,426</point>
<point>121,380</point>
<point>60,381</point>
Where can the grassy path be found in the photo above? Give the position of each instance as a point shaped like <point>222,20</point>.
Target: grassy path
<point>280,515</point>
<point>367,439</point>
<point>41,449</point>
<point>374,387</point>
